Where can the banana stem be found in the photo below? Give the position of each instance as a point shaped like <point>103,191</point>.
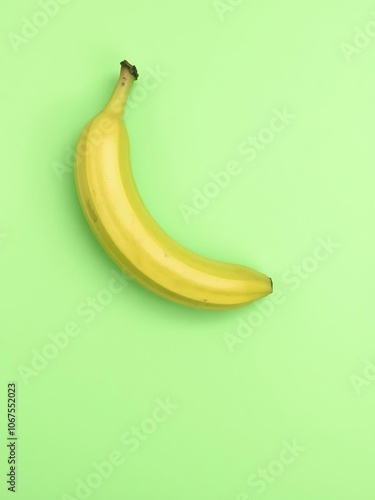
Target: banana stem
<point>117,102</point>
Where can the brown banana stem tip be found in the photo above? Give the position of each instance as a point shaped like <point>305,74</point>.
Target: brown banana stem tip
<point>133,70</point>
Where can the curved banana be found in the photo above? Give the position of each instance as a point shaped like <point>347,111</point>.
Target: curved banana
<point>126,230</point>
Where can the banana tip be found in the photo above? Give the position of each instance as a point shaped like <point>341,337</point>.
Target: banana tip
<point>271,285</point>
<point>133,70</point>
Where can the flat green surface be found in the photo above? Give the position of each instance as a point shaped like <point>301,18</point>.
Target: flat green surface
<point>143,399</point>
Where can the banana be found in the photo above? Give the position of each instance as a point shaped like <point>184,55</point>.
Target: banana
<point>129,234</point>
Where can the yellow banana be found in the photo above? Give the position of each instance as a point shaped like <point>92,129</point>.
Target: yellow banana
<point>132,238</point>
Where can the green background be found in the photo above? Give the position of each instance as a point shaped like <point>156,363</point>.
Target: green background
<point>304,373</point>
